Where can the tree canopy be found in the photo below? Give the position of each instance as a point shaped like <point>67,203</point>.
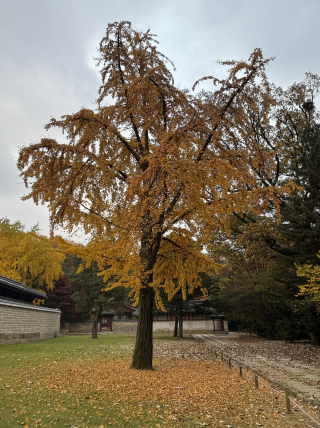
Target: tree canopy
<point>28,256</point>
<point>264,253</point>
<point>87,289</point>
<point>154,170</point>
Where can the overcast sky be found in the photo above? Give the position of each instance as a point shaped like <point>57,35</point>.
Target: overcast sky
<point>47,67</point>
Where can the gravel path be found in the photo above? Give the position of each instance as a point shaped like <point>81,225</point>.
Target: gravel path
<point>290,365</point>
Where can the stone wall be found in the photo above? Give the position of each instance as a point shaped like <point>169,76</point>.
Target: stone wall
<point>23,322</point>
<point>124,327</point>
<point>194,326</point>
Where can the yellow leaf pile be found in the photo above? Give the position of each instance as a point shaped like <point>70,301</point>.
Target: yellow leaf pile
<point>187,388</point>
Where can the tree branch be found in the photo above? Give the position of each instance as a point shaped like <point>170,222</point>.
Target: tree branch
<point>164,105</point>
<point>99,215</point>
<point>223,112</point>
<point>127,98</point>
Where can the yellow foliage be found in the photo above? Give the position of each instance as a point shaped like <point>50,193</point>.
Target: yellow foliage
<point>28,257</point>
<point>312,286</point>
<point>151,176</point>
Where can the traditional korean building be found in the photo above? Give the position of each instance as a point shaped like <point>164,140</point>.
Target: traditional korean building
<point>209,322</point>
<point>129,313</point>
<point>196,318</point>
<point>20,320</point>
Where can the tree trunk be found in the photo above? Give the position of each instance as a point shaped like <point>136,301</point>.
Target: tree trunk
<point>175,331</point>
<point>315,338</point>
<point>94,334</point>
<point>95,323</point>
<point>142,356</point>
<point>180,320</point>
<point>180,333</point>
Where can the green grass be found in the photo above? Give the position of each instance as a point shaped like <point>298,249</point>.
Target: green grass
<point>80,382</point>
<point>22,404</point>
<point>64,347</point>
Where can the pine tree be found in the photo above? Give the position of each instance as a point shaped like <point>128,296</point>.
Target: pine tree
<point>300,211</point>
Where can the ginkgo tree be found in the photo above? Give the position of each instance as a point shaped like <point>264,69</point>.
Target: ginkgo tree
<point>28,256</point>
<point>312,286</point>
<point>153,170</point>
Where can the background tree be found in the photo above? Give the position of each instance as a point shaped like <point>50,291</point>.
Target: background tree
<point>300,211</point>
<point>300,225</point>
<point>290,129</point>
<point>60,297</point>
<point>86,288</point>
<point>28,256</point>
<point>310,291</point>
<point>79,295</point>
<point>193,303</point>
<point>262,251</point>
<point>254,291</point>
<point>312,286</point>
<point>149,174</point>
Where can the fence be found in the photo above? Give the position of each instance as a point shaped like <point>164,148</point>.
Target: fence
<point>287,393</point>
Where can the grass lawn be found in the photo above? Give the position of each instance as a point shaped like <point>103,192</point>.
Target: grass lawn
<point>76,381</point>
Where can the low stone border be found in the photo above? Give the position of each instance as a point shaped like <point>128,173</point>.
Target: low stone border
<point>290,391</point>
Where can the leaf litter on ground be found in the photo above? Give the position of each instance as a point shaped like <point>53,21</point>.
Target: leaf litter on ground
<point>187,387</point>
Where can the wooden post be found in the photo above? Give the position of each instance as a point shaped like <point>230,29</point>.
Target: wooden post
<point>240,371</point>
<point>221,356</point>
<point>287,399</point>
<point>229,363</point>
<point>256,384</point>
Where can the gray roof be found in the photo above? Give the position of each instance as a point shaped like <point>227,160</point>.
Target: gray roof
<point>107,312</point>
<point>19,286</point>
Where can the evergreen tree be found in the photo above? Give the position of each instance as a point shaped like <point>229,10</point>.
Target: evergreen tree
<point>300,221</point>
<point>300,210</point>
<point>60,297</point>
<point>87,286</point>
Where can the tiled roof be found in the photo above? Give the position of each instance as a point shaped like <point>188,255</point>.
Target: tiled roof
<point>107,312</point>
<point>19,286</point>
<point>192,306</point>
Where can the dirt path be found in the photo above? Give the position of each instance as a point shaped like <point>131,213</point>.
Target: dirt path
<point>290,365</point>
